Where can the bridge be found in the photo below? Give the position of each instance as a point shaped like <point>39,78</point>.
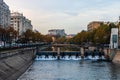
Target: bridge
<point>64,45</point>
<point>83,52</point>
<point>109,54</point>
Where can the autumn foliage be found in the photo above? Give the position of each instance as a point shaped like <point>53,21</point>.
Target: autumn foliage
<point>97,36</point>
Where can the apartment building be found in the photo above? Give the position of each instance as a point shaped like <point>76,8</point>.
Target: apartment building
<point>4,15</point>
<point>94,25</point>
<point>55,32</point>
<point>20,22</point>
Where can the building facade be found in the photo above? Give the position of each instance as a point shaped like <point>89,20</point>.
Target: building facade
<point>94,25</point>
<point>70,36</point>
<point>114,38</point>
<point>56,32</point>
<point>20,23</point>
<point>4,14</point>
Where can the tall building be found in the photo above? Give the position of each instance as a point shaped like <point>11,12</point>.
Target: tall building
<point>55,32</point>
<point>94,25</point>
<point>20,22</point>
<point>4,14</point>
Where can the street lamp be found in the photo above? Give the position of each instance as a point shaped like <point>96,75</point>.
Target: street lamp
<point>10,39</point>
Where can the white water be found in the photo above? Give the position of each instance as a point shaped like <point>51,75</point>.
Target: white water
<point>67,58</point>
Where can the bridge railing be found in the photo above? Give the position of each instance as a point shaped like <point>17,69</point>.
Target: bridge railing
<point>9,53</point>
<point>19,46</point>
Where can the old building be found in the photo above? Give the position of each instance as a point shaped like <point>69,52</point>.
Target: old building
<point>4,14</point>
<point>57,32</point>
<point>94,25</point>
<point>20,22</point>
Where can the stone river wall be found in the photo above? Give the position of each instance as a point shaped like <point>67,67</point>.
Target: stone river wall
<point>14,63</point>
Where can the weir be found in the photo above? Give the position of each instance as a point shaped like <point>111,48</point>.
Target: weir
<point>58,55</point>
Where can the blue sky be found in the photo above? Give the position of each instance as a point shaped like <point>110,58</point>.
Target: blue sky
<point>71,15</point>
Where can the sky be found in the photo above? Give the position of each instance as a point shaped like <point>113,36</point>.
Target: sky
<point>71,15</point>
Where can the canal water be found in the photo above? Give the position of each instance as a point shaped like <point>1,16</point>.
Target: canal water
<point>88,69</point>
<point>72,70</point>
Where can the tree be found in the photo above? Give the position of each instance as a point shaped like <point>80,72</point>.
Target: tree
<point>47,38</point>
<point>13,34</point>
<point>34,36</point>
<point>97,36</point>
<point>2,35</point>
<point>61,40</point>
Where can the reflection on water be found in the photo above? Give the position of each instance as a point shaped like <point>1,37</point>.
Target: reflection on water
<point>72,70</point>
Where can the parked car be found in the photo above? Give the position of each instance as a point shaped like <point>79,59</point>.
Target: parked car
<point>1,46</point>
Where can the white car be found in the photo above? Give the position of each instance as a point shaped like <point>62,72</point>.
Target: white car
<point>1,46</point>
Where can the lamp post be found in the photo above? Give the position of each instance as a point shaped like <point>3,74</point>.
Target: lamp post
<point>97,41</point>
<point>10,39</point>
<point>4,39</point>
<point>105,39</point>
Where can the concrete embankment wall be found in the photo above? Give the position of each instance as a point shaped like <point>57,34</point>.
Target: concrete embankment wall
<point>116,58</point>
<point>12,66</point>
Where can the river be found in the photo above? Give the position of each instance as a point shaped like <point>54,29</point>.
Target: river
<point>72,70</point>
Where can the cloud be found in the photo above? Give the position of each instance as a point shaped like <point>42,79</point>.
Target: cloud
<point>71,15</point>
